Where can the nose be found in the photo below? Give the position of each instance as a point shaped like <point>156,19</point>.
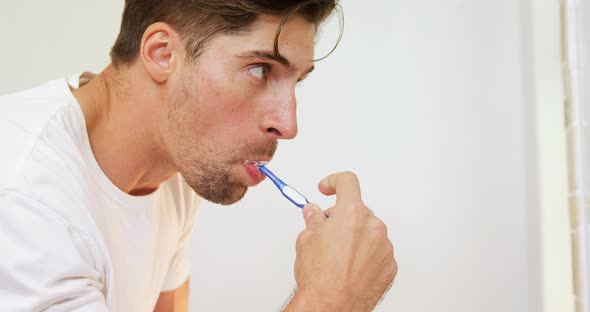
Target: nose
<point>280,121</point>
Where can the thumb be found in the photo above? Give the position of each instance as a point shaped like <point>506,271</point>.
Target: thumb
<point>313,214</point>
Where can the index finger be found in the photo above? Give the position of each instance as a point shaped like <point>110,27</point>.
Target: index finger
<point>345,185</point>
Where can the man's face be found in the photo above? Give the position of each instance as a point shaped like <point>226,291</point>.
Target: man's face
<point>233,105</point>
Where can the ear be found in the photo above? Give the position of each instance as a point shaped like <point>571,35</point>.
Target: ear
<point>159,51</point>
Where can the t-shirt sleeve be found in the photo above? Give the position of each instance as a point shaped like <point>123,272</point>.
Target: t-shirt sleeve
<point>44,260</point>
<point>180,266</point>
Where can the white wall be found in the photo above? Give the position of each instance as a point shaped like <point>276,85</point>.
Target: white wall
<point>429,101</point>
<point>43,40</point>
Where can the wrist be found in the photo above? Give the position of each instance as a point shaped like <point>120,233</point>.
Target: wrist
<point>313,301</point>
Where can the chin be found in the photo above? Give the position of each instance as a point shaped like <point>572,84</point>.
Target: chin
<point>235,198</point>
<point>226,196</point>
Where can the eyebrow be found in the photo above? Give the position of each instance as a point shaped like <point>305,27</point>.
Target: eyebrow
<point>268,55</point>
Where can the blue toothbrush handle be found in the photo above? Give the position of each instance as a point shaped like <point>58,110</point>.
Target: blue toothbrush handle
<point>278,182</point>
<point>285,189</point>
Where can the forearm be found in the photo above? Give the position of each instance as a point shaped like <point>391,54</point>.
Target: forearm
<point>174,300</point>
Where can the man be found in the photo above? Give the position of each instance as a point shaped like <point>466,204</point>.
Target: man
<point>102,175</point>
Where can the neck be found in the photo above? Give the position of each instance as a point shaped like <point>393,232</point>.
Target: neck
<point>122,122</point>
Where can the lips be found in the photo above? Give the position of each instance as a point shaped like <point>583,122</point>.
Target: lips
<point>252,169</point>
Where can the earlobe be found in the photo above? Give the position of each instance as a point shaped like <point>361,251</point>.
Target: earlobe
<point>157,53</point>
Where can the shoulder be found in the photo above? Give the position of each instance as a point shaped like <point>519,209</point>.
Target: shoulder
<point>27,118</point>
<point>45,259</point>
<point>32,108</point>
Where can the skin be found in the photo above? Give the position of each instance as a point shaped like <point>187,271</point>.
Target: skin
<point>205,119</point>
<point>175,300</point>
<point>346,262</point>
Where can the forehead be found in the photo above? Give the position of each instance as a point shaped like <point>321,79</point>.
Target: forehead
<point>296,41</point>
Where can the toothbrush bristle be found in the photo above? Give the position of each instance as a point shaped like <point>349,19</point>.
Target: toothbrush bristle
<point>256,163</point>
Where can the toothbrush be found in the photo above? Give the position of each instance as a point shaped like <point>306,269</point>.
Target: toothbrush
<point>290,193</point>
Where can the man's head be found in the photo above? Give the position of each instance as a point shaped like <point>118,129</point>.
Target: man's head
<point>224,74</point>
<point>196,21</point>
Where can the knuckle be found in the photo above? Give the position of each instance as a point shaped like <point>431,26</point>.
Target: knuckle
<point>360,208</point>
<point>393,270</point>
<point>329,211</point>
<point>389,250</point>
<point>349,175</point>
<point>302,238</point>
<point>377,227</point>
<point>393,267</point>
<point>345,176</point>
<point>382,227</point>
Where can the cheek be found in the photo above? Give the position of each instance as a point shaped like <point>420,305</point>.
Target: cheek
<point>229,108</point>
<point>226,104</point>
<point>220,123</point>
<point>224,110</point>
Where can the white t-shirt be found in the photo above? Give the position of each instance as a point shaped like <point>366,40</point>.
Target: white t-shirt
<point>70,240</point>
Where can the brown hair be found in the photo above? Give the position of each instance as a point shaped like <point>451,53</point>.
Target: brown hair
<point>196,21</point>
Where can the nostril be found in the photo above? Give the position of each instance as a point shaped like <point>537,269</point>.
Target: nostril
<point>274,131</point>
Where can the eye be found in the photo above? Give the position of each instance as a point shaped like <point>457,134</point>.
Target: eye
<point>259,71</point>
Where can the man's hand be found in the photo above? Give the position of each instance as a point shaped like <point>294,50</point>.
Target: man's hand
<point>346,262</point>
